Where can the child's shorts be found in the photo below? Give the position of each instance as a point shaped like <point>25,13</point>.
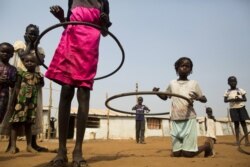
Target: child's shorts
<point>184,135</point>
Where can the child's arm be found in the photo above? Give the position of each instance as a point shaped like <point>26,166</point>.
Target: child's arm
<point>104,17</point>
<point>134,108</point>
<point>12,78</point>
<point>41,80</point>
<point>205,124</point>
<point>237,99</point>
<point>194,96</point>
<point>147,109</point>
<point>163,97</point>
<point>58,12</point>
<point>18,84</point>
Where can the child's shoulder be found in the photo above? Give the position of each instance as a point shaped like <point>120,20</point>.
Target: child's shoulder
<point>19,45</point>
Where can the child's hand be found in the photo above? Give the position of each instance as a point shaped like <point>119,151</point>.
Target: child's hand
<point>156,89</point>
<point>104,20</point>
<point>58,12</point>
<point>3,79</point>
<point>193,95</point>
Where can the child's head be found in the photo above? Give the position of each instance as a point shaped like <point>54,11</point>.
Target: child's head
<point>183,66</point>
<point>209,111</point>
<point>6,52</point>
<point>232,81</point>
<point>31,33</point>
<point>29,62</point>
<point>139,100</point>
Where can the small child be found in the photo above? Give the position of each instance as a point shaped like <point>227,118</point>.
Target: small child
<point>183,116</point>
<point>140,120</point>
<point>210,126</point>
<point>24,113</point>
<point>238,113</point>
<point>7,76</point>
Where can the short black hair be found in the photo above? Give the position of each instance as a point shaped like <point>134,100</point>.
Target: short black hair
<point>139,98</point>
<point>209,110</point>
<point>180,60</point>
<point>231,78</point>
<point>32,26</point>
<point>7,44</point>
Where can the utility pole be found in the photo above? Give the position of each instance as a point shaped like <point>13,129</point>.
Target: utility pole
<point>136,90</point>
<point>49,109</point>
<point>107,119</point>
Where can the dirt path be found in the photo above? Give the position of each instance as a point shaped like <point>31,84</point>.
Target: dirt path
<point>126,153</point>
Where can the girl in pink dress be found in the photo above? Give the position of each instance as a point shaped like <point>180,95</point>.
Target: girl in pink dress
<point>73,66</point>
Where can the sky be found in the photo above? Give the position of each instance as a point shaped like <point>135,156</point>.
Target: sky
<point>215,34</point>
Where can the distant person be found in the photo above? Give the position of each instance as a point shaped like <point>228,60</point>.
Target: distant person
<point>210,126</point>
<point>24,112</point>
<point>236,97</point>
<point>183,116</point>
<point>140,120</point>
<point>52,125</point>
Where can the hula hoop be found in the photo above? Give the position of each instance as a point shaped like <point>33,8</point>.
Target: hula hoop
<point>87,24</point>
<point>239,148</point>
<point>142,93</point>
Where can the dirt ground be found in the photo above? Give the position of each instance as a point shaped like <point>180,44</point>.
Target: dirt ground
<point>126,153</point>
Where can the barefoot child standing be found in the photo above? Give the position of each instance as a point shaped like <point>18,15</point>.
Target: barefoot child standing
<point>24,114</point>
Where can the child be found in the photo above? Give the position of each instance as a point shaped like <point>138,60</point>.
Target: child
<point>183,116</point>
<point>24,114</point>
<point>74,65</point>
<point>22,50</point>
<point>7,76</point>
<point>210,126</point>
<point>238,113</point>
<point>140,120</point>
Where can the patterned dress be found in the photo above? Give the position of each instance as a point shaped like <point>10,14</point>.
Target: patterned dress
<point>25,108</point>
<point>9,73</point>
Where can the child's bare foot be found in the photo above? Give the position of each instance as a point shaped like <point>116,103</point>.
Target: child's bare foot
<point>30,149</point>
<point>247,143</point>
<point>12,150</point>
<point>8,149</point>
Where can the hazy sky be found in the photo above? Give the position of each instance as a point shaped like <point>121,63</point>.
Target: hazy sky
<point>215,34</point>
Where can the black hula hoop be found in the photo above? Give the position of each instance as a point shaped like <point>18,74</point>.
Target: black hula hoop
<point>81,23</point>
<point>142,93</point>
<point>239,148</point>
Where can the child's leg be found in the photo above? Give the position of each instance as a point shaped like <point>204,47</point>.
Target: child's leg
<point>67,94</point>
<point>237,131</point>
<point>83,96</point>
<point>142,132</point>
<point>36,146</point>
<point>137,131</point>
<point>29,137</point>
<point>207,148</point>
<point>13,138</point>
<point>244,127</point>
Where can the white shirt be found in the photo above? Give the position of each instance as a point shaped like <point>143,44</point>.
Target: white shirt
<point>231,94</point>
<point>181,109</point>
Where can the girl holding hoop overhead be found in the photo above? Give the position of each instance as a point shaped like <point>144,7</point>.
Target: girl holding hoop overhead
<point>74,65</point>
<point>183,116</point>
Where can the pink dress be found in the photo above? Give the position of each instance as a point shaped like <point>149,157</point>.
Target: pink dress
<point>76,57</point>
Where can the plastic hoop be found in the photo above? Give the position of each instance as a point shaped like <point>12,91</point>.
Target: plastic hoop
<point>240,149</point>
<point>81,23</point>
<point>142,93</point>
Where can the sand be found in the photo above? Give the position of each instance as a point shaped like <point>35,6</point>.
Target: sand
<point>126,153</point>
